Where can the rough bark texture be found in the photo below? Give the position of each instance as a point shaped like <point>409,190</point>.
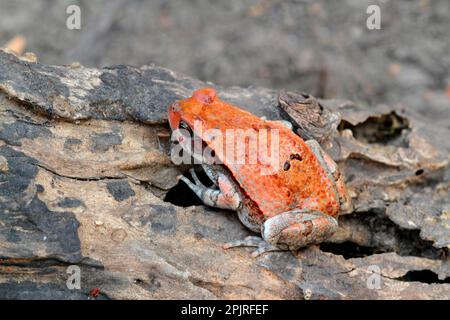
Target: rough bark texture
<point>85,179</point>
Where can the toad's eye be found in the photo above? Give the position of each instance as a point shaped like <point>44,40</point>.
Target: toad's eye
<point>175,107</point>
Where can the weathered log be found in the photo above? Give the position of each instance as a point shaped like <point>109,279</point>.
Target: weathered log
<point>86,180</point>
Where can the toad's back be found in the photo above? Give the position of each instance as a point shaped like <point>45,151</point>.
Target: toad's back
<point>294,179</point>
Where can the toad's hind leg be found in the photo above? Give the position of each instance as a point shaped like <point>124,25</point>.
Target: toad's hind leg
<point>226,197</point>
<point>291,230</point>
<point>298,228</point>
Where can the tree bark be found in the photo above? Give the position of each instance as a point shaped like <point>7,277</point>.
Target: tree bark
<point>85,177</point>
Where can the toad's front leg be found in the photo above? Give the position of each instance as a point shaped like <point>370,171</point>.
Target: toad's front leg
<point>291,230</point>
<point>224,196</point>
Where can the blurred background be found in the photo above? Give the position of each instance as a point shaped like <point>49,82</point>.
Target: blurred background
<point>320,47</point>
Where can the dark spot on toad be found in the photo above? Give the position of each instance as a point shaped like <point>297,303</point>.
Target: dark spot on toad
<point>296,156</point>
<point>287,165</point>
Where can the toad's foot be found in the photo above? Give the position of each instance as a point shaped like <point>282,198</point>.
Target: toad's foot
<point>252,241</point>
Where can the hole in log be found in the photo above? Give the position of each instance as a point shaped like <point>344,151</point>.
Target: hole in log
<point>383,129</point>
<point>425,276</point>
<point>181,195</point>
<point>348,249</point>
